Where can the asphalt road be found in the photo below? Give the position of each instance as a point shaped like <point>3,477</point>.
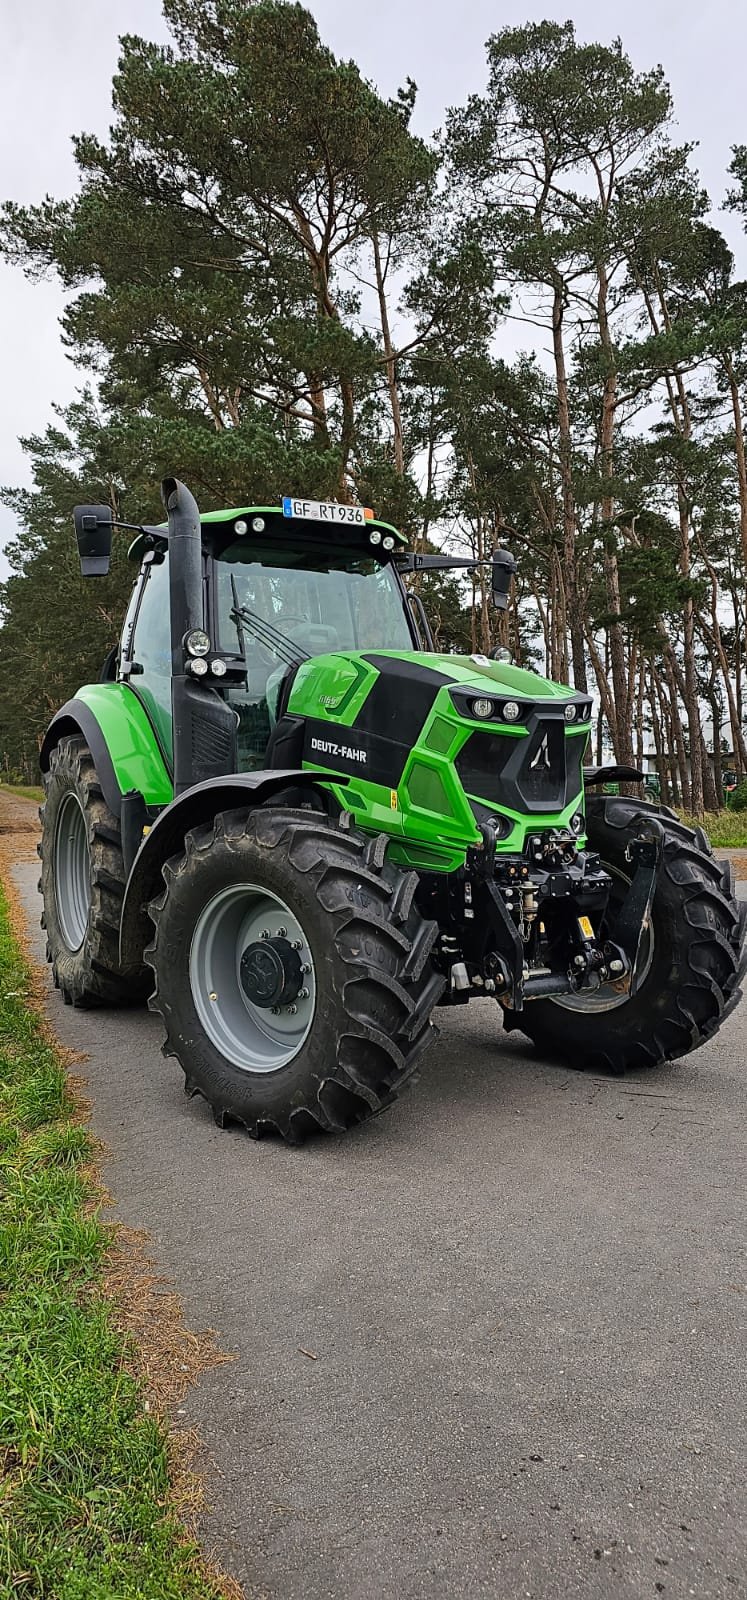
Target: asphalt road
<point>525,1291</point>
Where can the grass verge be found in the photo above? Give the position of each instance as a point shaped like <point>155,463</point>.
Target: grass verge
<point>85,1512</point>
<point>724,828</point>
<point>23,791</point>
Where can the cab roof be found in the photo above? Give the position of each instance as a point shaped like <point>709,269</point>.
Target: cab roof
<point>158,534</point>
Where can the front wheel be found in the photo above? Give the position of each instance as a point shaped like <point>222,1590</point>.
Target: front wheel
<point>292,971</point>
<point>694,954</point>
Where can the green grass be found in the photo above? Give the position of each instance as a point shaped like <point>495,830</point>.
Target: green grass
<point>83,1468</point>
<point>24,791</point>
<point>724,828</point>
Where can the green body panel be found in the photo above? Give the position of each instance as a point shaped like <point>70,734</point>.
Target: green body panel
<point>428,816</point>
<point>136,758</point>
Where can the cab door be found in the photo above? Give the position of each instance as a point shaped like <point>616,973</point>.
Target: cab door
<point>145,663</point>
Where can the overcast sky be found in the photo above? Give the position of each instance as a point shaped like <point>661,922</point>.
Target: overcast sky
<point>56,63</point>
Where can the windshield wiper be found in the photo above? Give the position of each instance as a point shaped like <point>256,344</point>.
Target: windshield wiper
<point>284,648</point>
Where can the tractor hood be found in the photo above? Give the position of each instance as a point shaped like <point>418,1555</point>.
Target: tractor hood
<point>485,732</point>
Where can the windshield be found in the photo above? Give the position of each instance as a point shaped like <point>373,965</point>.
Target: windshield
<point>319,599</point>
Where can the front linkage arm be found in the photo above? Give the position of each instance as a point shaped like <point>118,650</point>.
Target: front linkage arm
<point>633,918</point>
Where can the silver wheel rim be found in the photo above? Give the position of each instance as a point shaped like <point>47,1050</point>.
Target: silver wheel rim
<point>252,1037</point>
<point>606,999</point>
<point>72,872</point>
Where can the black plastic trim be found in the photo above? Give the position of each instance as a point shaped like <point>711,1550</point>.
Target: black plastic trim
<point>76,717</point>
<point>593,775</point>
<point>195,806</point>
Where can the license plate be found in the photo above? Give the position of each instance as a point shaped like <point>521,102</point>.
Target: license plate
<point>326,511</point>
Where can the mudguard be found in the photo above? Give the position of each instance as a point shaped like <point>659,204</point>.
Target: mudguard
<point>594,775</point>
<point>197,805</point>
<point>121,740</point>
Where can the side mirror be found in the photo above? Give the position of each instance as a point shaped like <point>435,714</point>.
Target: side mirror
<point>93,531</point>
<point>503,569</point>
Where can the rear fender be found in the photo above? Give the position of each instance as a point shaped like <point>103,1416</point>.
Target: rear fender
<point>197,805</point>
<point>121,740</point>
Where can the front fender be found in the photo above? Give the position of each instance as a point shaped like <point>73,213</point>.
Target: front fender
<point>121,740</point>
<point>197,805</point>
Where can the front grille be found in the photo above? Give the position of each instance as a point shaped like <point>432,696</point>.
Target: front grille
<point>541,775</point>
<point>537,773</point>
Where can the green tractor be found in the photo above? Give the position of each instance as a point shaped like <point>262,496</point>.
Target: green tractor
<point>297,829</point>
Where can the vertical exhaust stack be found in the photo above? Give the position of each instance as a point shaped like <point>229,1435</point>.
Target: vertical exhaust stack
<point>204,727</point>
<point>185,566</point>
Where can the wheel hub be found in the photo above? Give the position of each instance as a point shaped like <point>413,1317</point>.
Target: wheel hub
<point>252,977</point>
<point>271,973</point>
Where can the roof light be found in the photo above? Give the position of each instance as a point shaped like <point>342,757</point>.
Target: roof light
<point>218,668</point>
<point>199,666</point>
<point>241,526</point>
<point>375,537</point>
<point>197,642</point>
<point>258,524</point>
<point>388,542</point>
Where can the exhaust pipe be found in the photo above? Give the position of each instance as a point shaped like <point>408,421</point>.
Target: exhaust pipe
<point>185,566</point>
<point>203,726</point>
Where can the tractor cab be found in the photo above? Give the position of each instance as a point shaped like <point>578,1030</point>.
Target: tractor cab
<point>282,584</point>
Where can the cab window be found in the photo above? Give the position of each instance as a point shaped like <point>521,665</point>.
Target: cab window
<point>150,648</point>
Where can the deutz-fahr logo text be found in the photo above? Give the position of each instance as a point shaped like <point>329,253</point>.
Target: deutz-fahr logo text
<point>345,752</point>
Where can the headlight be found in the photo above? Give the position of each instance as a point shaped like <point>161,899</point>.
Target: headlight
<point>198,667</point>
<point>570,713</point>
<point>577,823</point>
<point>218,668</point>
<point>482,708</point>
<point>511,711</point>
<point>197,642</point>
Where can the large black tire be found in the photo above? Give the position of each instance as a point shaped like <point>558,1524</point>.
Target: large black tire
<point>698,960</point>
<point>375,988</point>
<point>87,972</point>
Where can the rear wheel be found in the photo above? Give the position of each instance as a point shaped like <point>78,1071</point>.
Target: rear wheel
<point>694,954</point>
<point>82,882</point>
<point>292,971</point>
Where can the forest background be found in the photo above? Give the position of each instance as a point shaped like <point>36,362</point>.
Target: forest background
<point>274,286</point>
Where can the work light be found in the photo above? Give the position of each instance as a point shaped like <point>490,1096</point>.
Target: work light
<point>197,642</point>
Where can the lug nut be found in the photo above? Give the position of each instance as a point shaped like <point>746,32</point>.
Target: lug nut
<point>282,932</point>
<point>306,966</point>
<point>276,1011</point>
<point>303,994</point>
<point>296,944</point>
<point>265,934</point>
<point>291,1010</point>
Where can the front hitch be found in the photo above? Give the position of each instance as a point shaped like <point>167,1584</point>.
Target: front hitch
<point>633,918</point>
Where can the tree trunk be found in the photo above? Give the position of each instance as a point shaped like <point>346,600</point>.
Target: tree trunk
<point>570,525</point>
<point>398,445</point>
<point>739,450</point>
<point>662,760</point>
